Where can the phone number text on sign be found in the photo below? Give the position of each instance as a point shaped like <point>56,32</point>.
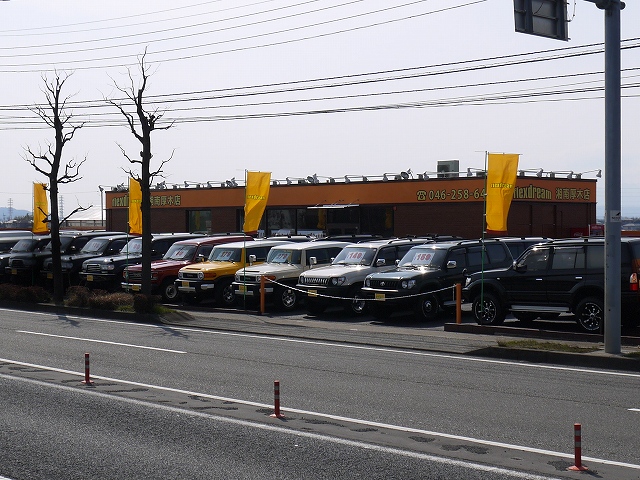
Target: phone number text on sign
<point>451,195</point>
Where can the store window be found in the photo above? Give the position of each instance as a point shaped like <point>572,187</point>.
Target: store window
<point>199,221</point>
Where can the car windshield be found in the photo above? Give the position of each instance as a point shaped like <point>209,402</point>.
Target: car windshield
<point>97,245</point>
<point>64,243</point>
<point>180,252</point>
<point>25,245</point>
<point>134,247</point>
<point>281,255</point>
<point>225,254</point>
<point>423,258</point>
<point>355,256</point>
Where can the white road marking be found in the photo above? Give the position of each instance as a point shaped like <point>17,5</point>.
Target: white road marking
<point>288,431</point>
<point>101,341</point>
<point>336,417</point>
<point>634,409</point>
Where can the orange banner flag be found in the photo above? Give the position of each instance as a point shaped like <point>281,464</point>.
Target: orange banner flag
<point>502,171</point>
<point>40,208</point>
<point>135,207</point>
<point>256,196</point>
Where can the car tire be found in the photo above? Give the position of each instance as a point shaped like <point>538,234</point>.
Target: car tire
<point>427,307</point>
<point>590,314</point>
<point>169,291</point>
<point>285,298</point>
<point>225,294</point>
<point>489,311</point>
<point>357,304</point>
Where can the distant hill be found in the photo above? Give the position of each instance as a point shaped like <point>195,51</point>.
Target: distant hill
<point>4,213</point>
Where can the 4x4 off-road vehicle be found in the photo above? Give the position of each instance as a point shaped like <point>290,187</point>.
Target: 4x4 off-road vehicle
<point>340,283</point>
<point>164,271</point>
<point>284,265</point>
<point>106,272</point>
<point>561,276</point>
<point>423,279</point>
<point>107,245</point>
<point>214,277</point>
<point>25,267</point>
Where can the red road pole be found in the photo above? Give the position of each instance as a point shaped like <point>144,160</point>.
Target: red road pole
<point>276,400</point>
<point>577,440</point>
<point>262,286</point>
<point>87,378</point>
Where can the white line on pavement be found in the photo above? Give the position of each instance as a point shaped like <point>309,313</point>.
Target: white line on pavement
<point>100,341</point>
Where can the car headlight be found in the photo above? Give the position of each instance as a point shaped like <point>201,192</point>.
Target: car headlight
<point>108,267</point>
<point>367,282</point>
<point>408,284</point>
<point>337,281</point>
<point>67,265</point>
<point>200,275</point>
<point>154,276</point>
<point>467,281</point>
<point>180,275</point>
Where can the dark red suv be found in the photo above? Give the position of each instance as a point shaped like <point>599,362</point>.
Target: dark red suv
<point>164,271</point>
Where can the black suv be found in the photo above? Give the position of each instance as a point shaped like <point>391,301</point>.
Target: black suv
<point>106,272</point>
<point>102,246</point>
<point>24,267</point>
<point>424,278</point>
<point>561,276</point>
<point>517,245</point>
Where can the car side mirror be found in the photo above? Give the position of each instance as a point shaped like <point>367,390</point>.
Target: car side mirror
<point>252,259</point>
<point>519,267</point>
<point>200,258</point>
<point>381,262</point>
<point>397,262</point>
<point>313,261</point>
<point>451,264</point>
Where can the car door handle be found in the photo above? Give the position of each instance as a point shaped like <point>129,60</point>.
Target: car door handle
<point>578,278</point>
<point>538,279</point>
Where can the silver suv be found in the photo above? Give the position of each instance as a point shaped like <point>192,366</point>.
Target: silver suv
<point>281,270</point>
<point>340,282</point>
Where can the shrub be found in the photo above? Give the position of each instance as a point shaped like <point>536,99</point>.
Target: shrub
<point>32,294</point>
<point>78,296</point>
<point>9,291</point>
<point>111,301</point>
<point>145,303</point>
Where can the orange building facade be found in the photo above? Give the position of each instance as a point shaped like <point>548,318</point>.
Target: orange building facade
<point>551,207</point>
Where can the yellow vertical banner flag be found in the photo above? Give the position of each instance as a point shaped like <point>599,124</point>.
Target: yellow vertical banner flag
<point>502,171</point>
<point>135,207</point>
<point>256,196</point>
<point>40,208</point>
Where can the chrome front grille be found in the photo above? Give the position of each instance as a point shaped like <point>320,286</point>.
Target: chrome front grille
<point>135,277</point>
<point>189,276</point>
<point>385,284</point>
<point>315,281</point>
<point>93,268</point>
<point>248,278</point>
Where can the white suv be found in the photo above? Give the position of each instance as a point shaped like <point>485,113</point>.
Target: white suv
<point>281,270</point>
<point>340,282</point>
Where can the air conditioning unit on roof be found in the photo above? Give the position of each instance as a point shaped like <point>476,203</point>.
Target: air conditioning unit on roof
<point>448,168</point>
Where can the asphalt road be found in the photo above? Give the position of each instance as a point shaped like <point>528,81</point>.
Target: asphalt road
<point>425,406</point>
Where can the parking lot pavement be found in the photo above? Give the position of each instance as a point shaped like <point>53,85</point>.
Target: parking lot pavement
<point>444,336</point>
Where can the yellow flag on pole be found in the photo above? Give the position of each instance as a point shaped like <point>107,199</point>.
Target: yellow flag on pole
<point>135,207</point>
<point>256,196</point>
<point>40,208</point>
<point>502,171</point>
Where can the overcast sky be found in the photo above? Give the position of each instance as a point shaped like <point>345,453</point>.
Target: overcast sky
<point>326,87</point>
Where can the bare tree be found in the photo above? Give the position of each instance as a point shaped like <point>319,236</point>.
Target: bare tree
<point>49,163</point>
<point>142,123</point>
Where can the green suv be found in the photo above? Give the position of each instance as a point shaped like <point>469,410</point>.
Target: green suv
<point>561,276</point>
